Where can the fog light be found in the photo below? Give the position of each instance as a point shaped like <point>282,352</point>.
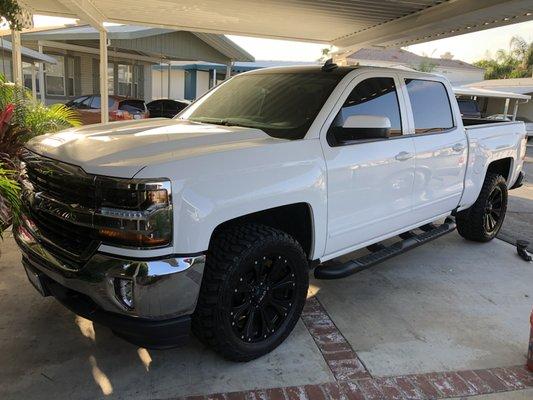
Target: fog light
<point>124,292</point>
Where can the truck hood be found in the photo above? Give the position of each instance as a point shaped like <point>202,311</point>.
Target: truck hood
<point>122,149</point>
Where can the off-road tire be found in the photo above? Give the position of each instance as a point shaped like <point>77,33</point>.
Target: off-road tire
<point>471,222</point>
<point>231,254</point>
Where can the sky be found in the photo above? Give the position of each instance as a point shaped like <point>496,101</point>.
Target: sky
<point>469,47</point>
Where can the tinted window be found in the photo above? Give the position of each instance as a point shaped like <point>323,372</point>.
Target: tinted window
<point>468,106</point>
<point>96,102</point>
<point>282,104</point>
<point>132,105</point>
<point>373,96</point>
<point>76,102</point>
<point>155,105</point>
<point>430,105</point>
<point>86,103</point>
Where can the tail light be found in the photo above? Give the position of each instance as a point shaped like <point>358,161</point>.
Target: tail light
<point>120,115</point>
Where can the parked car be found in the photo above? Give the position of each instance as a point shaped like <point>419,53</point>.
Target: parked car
<point>120,108</point>
<point>166,108</point>
<point>214,219</point>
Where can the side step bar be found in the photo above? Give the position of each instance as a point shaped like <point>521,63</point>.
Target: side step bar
<point>336,270</point>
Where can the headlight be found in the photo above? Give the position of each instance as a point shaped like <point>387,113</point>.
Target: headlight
<point>134,213</point>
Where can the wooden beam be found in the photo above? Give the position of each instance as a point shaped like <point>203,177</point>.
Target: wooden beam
<point>86,11</point>
<point>422,24</point>
<point>92,50</point>
<point>41,78</point>
<point>104,89</point>
<point>16,56</point>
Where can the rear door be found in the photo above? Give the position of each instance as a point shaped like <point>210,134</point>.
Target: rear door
<point>440,144</point>
<point>370,182</point>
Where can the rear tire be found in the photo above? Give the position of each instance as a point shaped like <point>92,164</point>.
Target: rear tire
<point>253,291</point>
<point>483,220</point>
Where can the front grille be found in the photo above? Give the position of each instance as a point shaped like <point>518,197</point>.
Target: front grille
<point>61,181</point>
<point>70,242</point>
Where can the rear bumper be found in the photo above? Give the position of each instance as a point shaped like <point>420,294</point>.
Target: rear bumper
<point>519,181</point>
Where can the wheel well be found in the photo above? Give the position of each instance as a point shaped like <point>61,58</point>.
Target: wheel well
<point>294,219</point>
<point>502,167</point>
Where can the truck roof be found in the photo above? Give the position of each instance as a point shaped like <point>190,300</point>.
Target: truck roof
<point>340,70</point>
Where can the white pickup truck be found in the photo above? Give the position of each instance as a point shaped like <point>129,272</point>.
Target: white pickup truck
<point>214,219</point>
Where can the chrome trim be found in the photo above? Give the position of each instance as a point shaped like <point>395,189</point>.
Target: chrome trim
<point>163,288</point>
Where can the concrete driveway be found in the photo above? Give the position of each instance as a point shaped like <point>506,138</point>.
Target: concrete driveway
<point>519,219</point>
<point>448,306</point>
<point>449,319</point>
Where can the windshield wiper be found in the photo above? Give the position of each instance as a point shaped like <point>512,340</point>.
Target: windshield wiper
<point>219,121</point>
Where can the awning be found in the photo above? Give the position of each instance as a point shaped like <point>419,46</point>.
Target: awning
<point>503,94</point>
<point>28,55</point>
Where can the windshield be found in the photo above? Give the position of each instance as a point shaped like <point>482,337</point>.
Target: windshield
<point>282,104</point>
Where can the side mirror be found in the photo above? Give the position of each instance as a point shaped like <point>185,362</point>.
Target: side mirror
<point>360,127</point>
<point>368,126</point>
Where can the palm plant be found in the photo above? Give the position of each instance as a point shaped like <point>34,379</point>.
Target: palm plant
<point>9,198</point>
<point>22,118</point>
<point>27,117</point>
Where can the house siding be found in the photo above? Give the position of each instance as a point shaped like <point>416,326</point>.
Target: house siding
<point>202,83</point>
<point>86,74</point>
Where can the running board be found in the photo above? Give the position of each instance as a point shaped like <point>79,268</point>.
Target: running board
<point>336,270</point>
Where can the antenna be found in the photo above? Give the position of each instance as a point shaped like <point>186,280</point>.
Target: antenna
<point>329,65</point>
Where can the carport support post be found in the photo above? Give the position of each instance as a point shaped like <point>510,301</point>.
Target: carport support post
<point>33,81</point>
<point>17,57</point>
<point>41,77</point>
<point>104,90</point>
<point>515,109</point>
<point>168,80</point>
<point>506,108</point>
<point>214,77</point>
<point>228,70</point>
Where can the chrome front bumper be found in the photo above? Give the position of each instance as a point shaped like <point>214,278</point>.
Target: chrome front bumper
<point>163,288</point>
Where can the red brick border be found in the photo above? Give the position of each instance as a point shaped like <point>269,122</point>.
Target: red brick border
<point>354,382</point>
<point>435,385</point>
<point>339,355</point>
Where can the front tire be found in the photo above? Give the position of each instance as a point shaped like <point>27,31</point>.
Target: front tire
<point>253,291</point>
<point>483,220</point>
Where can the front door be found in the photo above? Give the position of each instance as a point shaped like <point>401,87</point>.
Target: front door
<point>370,182</point>
<point>441,149</point>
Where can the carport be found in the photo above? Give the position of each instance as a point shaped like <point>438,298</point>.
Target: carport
<point>348,25</point>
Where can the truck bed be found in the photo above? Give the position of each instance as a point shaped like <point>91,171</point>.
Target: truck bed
<point>483,121</point>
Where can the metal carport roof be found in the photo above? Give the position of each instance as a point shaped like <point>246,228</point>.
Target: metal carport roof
<point>344,23</point>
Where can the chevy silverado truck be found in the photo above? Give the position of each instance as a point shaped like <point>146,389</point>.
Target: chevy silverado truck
<point>212,221</point>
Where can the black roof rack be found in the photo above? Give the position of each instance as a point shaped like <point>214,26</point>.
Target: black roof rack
<point>329,65</point>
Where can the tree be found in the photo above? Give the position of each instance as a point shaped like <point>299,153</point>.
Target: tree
<point>515,63</point>
<point>326,54</point>
<point>426,65</point>
<point>11,11</point>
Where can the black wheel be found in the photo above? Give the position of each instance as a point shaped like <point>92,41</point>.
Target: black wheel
<point>253,291</point>
<point>483,220</point>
